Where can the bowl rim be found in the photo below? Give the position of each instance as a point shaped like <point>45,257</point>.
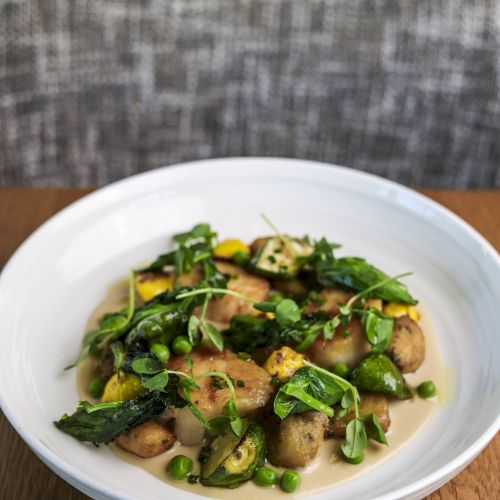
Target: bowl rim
<point>78,478</point>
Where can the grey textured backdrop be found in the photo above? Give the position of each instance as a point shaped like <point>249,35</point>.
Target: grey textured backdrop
<point>92,91</point>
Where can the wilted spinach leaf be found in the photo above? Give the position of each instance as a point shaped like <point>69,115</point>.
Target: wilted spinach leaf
<point>356,274</point>
<point>102,423</point>
<point>165,325</point>
<point>247,333</point>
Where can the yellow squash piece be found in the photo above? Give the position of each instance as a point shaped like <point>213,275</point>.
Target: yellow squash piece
<point>398,309</point>
<point>227,248</point>
<point>283,363</point>
<point>121,387</point>
<point>148,285</point>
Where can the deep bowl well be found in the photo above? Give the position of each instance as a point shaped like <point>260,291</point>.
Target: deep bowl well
<point>55,279</point>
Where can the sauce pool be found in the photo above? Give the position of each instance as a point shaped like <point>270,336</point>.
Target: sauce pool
<point>408,418</point>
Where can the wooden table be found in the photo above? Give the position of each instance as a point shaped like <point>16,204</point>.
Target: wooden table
<point>23,476</point>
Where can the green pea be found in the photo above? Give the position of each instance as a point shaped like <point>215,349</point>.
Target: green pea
<point>161,351</point>
<point>96,387</point>
<point>342,370</point>
<point>354,460</point>
<point>290,481</point>
<point>241,258</point>
<point>181,345</point>
<point>180,466</point>
<point>426,389</point>
<point>265,476</point>
<point>275,297</point>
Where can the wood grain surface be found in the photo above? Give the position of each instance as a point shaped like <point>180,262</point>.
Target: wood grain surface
<point>24,476</point>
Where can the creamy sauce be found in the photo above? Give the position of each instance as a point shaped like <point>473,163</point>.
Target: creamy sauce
<point>407,419</point>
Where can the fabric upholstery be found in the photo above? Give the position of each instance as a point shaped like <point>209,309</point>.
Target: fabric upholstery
<point>92,91</point>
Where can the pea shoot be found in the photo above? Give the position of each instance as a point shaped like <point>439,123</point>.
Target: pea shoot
<point>111,327</point>
<point>320,389</point>
<point>155,377</point>
<point>286,310</point>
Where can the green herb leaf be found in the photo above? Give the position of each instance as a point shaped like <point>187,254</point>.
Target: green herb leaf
<point>330,327</point>
<point>218,383</point>
<point>230,411</point>
<point>157,382</point>
<point>302,395</point>
<point>341,412</point>
<point>373,428</point>
<point>347,400</point>
<point>194,329</point>
<point>102,423</point>
<point>146,366</point>
<point>218,425</point>
<point>287,312</point>
<point>195,246</point>
<point>355,439</point>
<point>265,306</point>
<point>111,326</point>
<point>84,353</point>
<point>214,335</point>
<point>344,310</point>
<point>378,328</point>
<point>163,325</point>
<point>356,274</point>
<point>118,355</point>
<point>186,387</point>
<point>323,251</point>
<point>199,233</point>
<point>167,259</point>
<point>111,323</point>
<point>308,388</point>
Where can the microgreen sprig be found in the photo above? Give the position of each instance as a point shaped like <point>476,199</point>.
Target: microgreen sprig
<point>111,327</point>
<point>155,377</point>
<point>344,384</point>
<point>378,328</point>
<point>360,428</point>
<point>286,310</point>
<point>370,289</point>
<point>213,291</point>
<point>284,239</point>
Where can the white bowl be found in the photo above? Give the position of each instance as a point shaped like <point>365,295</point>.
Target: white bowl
<point>57,276</point>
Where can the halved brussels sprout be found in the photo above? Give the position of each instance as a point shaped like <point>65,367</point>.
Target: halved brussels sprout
<point>377,373</point>
<point>230,460</point>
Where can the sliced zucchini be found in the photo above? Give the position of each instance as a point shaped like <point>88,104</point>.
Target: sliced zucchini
<point>232,460</point>
<point>275,259</point>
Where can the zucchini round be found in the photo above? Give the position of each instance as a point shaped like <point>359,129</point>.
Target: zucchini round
<point>231,460</point>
